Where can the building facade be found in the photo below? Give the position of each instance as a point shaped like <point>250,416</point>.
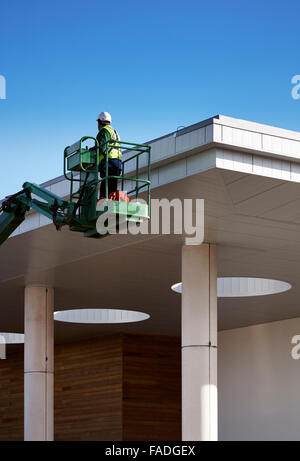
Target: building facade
<point>215,361</point>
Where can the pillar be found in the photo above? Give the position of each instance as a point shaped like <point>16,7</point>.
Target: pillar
<point>199,343</point>
<point>38,363</point>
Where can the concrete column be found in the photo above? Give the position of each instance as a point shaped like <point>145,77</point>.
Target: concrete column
<point>38,363</point>
<point>199,343</point>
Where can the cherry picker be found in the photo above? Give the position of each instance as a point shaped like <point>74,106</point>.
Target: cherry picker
<point>80,210</point>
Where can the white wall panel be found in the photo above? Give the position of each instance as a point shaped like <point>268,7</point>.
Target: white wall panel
<point>190,140</point>
<point>260,165</point>
<point>259,395</point>
<point>172,172</point>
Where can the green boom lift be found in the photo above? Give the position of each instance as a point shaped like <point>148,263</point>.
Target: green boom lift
<point>81,212</point>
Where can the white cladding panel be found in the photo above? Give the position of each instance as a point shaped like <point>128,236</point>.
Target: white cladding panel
<point>259,395</point>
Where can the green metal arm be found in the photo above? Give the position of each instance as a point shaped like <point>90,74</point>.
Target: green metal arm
<point>14,208</point>
<point>10,220</point>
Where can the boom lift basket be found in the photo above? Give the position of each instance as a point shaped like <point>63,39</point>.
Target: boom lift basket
<point>81,168</point>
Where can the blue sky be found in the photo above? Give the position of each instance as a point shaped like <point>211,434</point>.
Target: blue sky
<point>154,66</point>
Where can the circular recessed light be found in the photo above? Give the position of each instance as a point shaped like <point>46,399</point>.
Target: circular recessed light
<point>230,287</point>
<point>99,316</point>
<point>11,338</point>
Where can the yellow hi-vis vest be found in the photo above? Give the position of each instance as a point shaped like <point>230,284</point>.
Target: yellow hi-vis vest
<point>113,152</point>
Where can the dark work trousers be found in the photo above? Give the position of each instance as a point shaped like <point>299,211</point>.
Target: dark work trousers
<point>114,169</point>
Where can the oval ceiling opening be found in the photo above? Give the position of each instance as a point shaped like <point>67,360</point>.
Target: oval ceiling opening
<point>231,287</point>
<point>100,316</point>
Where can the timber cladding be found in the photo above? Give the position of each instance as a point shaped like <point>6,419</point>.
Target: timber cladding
<point>88,390</point>
<point>120,387</point>
<point>151,388</point>
<point>12,395</point>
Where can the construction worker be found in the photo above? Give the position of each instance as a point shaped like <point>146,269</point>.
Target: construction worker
<point>108,134</point>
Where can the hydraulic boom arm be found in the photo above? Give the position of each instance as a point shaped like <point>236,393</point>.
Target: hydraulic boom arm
<point>14,208</point>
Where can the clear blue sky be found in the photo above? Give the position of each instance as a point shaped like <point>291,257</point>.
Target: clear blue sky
<point>154,65</point>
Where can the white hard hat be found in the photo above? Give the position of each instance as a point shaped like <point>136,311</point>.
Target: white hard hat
<point>104,117</point>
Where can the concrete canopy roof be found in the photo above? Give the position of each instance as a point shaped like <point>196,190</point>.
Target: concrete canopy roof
<point>248,174</point>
